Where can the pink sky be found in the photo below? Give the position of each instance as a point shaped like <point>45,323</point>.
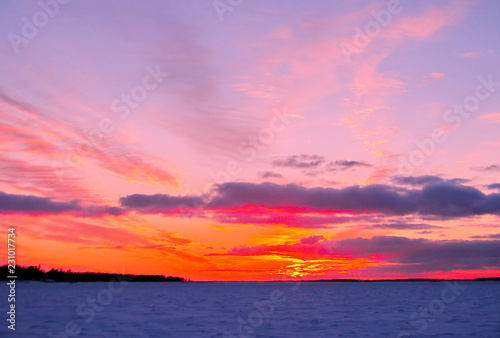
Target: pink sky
<point>259,141</point>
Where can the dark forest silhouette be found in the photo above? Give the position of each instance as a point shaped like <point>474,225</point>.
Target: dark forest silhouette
<point>34,273</point>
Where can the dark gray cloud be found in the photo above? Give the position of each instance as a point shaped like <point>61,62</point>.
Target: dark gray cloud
<point>34,204</point>
<point>99,210</point>
<point>494,186</point>
<point>425,179</point>
<point>494,167</point>
<point>446,199</point>
<point>314,165</point>
<point>403,226</point>
<point>344,165</point>
<point>457,180</point>
<point>299,161</point>
<point>492,236</point>
<point>160,203</point>
<point>270,174</point>
<point>11,203</point>
<point>417,180</point>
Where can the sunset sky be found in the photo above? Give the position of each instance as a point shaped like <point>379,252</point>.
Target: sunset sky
<point>252,140</point>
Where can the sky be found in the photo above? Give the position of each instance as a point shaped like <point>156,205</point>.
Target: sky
<point>252,140</point>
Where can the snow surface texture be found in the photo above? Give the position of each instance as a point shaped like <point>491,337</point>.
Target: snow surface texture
<point>278,309</point>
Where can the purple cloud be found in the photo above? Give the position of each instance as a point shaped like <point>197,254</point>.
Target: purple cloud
<point>299,161</point>
<point>34,204</point>
<point>344,165</point>
<point>494,186</point>
<point>425,179</point>
<point>270,174</point>
<point>446,199</point>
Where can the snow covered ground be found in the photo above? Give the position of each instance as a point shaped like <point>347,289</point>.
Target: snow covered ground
<point>277,309</point>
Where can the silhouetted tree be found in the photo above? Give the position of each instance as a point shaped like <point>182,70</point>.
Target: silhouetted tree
<point>59,275</point>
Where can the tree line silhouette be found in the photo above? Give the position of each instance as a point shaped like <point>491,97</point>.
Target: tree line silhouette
<point>34,273</point>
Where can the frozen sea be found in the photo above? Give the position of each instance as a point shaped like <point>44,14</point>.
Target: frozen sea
<point>246,309</point>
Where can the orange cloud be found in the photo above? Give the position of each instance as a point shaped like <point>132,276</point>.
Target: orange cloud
<point>493,117</point>
<point>439,76</point>
<point>469,55</point>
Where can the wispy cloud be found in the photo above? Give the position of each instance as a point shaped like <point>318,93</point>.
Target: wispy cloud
<point>344,165</point>
<point>425,179</point>
<point>402,226</point>
<point>492,236</point>
<point>469,55</point>
<point>494,186</point>
<point>492,117</point>
<point>438,76</point>
<point>299,161</point>
<point>493,167</point>
<point>270,174</point>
